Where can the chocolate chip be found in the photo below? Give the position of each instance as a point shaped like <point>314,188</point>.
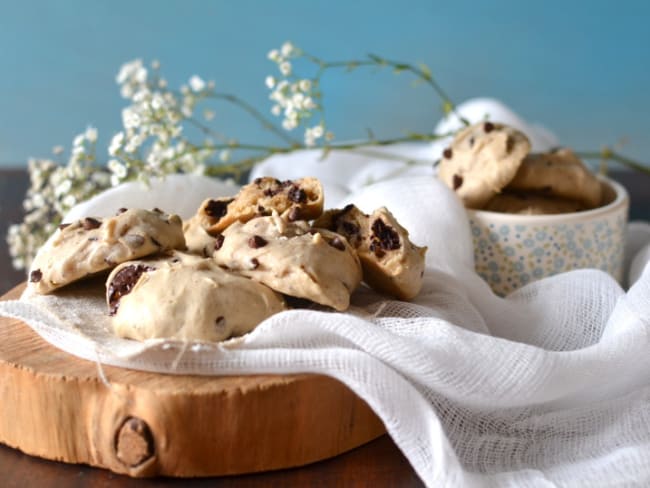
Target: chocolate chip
<point>458,181</point>
<point>313,232</point>
<point>471,142</point>
<point>89,223</point>
<point>269,192</point>
<point>295,302</point>
<point>63,226</point>
<point>375,248</point>
<point>447,153</point>
<point>488,127</point>
<point>257,241</point>
<point>92,239</point>
<point>510,144</point>
<point>337,243</point>
<point>220,322</point>
<point>155,242</point>
<point>218,241</point>
<point>294,214</point>
<point>255,263</point>
<point>347,208</point>
<point>297,195</point>
<point>176,260</point>
<point>217,208</point>
<point>349,228</point>
<point>35,276</point>
<point>122,284</point>
<point>121,210</point>
<point>385,235</point>
<point>257,181</point>
<point>157,210</point>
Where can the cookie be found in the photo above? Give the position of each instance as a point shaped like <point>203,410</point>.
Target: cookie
<point>391,263</point>
<point>300,199</point>
<point>482,159</point>
<point>185,297</point>
<point>558,173</point>
<point>197,239</point>
<point>529,204</point>
<point>293,259</point>
<point>90,245</point>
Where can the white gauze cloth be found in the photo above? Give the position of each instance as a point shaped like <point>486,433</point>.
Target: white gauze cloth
<point>547,387</point>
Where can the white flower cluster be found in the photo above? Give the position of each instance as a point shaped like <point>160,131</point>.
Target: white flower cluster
<point>54,190</point>
<point>151,143</point>
<point>294,97</point>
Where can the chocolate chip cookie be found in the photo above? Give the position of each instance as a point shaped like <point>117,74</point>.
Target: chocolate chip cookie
<point>482,159</point>
<point>529,204</point>
<point>90,245</point>
<point>300,199</point>
<point>185,297</point>
<point>292,258</point>
<point>558,173</point>
<point>391,263</point>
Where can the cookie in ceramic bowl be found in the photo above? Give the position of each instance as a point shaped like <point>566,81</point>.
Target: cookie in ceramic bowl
<point>513,249</point>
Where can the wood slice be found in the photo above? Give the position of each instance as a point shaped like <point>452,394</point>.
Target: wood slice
<point>54,405</point>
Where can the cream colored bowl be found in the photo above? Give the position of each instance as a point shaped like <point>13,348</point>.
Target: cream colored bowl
<point>511,250</point>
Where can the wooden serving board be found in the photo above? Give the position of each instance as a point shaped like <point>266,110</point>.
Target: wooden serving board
<point>54,405</point>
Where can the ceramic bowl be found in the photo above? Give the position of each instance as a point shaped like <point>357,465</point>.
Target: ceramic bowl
<point>511,250</point>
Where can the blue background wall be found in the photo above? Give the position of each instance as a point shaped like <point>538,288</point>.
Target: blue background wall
<point>581,68</point>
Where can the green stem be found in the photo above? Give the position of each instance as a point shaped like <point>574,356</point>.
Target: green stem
<point>256,114</point>
<point>380,62</point>
<point>613,156</point>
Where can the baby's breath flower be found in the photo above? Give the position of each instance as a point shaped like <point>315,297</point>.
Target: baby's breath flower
<point>69,201</point>
<point>57,150</point>
<point>270,82</point>
<point>91,135</point>
<point>289,124</point>
<point>130,118</point>
<point>116,144</point>
<point>287,49</point>
<point>274,55</point>
<point>196,83</point>
<point>285,68</point>
<point>78,140</point>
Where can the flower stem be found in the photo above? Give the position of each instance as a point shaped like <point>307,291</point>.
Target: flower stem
<point>608,154</point>
<point>256,114</point>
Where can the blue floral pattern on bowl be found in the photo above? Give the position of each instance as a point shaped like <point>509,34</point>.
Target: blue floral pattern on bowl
<point>512,250</point>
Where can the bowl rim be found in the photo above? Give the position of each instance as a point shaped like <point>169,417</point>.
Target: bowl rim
<point>621,200</point>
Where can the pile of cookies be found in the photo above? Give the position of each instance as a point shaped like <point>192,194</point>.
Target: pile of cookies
<point>490,167</point>
<point>238,261</point>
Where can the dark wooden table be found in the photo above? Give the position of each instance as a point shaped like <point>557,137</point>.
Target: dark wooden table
<point>377,464</point>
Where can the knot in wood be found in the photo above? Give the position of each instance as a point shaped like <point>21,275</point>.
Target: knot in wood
<point>134,442</point>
